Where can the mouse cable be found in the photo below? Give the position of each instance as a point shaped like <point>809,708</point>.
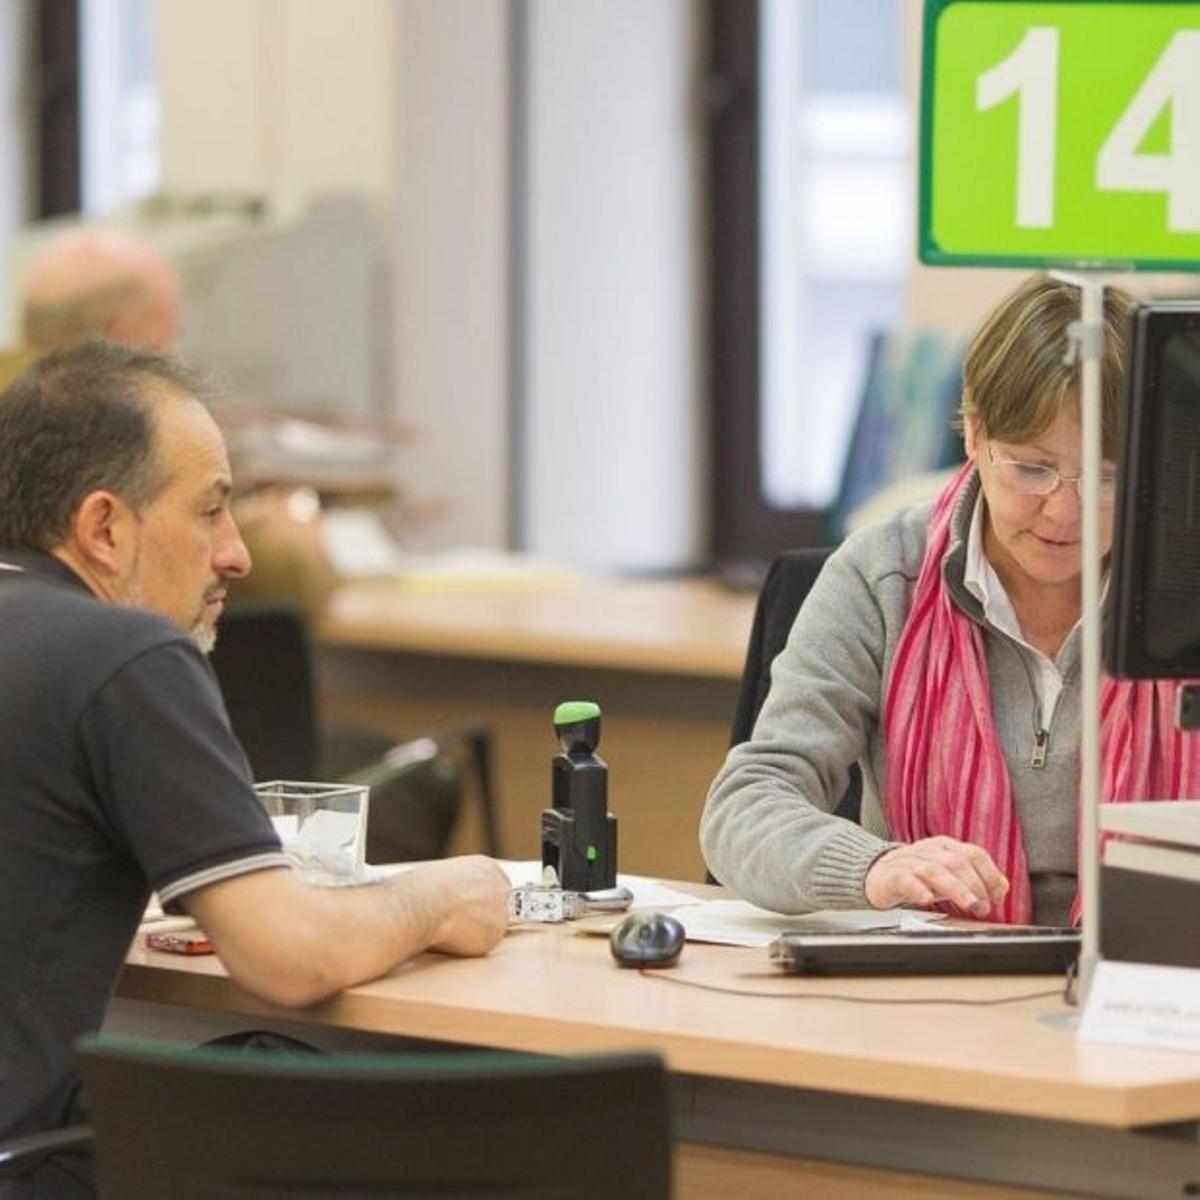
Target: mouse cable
<point>881,1000</point>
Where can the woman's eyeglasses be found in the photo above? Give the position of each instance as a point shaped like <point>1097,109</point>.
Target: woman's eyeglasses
<point>1037,479</point>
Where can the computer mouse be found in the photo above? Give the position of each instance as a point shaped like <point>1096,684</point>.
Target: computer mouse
<point>649,939</point>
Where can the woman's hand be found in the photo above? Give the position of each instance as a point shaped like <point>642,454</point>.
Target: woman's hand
<point>935,869</point>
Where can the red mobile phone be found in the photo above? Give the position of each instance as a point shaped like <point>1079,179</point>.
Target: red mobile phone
<point>189,942</point>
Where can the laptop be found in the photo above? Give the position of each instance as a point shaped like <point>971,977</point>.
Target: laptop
<point>929,950</point>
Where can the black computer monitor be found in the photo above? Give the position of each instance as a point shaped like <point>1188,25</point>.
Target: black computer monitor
<point>1152,620</point>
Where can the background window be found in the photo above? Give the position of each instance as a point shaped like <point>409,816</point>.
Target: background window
<point>120,128</point>
<point>812,230</point>
<point>836,227</point>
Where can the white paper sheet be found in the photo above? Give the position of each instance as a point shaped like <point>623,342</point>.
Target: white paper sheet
<point>738,923</point>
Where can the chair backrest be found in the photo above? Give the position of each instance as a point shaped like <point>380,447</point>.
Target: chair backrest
<point>416,795</point>
<point>218,1123</point>
<point>264,666</point>
<point>788,582</point>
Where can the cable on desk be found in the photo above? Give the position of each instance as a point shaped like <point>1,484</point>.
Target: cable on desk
<point>879,1000</point>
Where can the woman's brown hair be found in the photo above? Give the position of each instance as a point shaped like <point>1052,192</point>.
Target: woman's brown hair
<point>1018,373</point>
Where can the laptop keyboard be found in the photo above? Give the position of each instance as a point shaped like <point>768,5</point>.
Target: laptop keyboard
<point>992,931</point>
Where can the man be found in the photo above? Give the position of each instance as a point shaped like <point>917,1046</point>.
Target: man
<point>99,282</point>
<point>119,770</point>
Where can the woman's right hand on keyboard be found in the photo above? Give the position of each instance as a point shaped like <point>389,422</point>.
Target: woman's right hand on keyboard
<point>935,869</point>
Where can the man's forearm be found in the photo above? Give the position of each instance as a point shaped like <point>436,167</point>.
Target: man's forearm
<point>296,945</point>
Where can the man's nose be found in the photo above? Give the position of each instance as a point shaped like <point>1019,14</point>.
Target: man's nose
<point>231,559</point>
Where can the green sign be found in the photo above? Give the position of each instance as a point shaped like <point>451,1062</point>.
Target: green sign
<point>1061,133</point>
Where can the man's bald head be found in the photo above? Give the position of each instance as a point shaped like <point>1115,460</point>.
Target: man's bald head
<point>99,282</point>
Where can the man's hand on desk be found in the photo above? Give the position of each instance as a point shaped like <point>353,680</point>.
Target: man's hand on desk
<point>470,899</point>
<point>934,869</point>
<point>295,945</point>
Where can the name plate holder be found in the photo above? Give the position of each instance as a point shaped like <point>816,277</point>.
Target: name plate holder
<point>1154,1002</point>
<point>1137,1004</point>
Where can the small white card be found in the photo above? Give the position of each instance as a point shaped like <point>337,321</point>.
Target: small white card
<point>1137,1004</point>
<point>286,828</point>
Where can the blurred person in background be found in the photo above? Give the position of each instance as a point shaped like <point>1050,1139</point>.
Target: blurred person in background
<point>102,282</point>
<point>88,282</point>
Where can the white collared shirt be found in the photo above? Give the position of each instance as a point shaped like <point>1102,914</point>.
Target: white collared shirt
<point>984,584</point>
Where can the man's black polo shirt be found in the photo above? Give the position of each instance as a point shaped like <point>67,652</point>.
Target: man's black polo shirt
<point>118,773</point>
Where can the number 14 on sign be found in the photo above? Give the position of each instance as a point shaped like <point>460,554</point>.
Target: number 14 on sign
<point>1172,86</point>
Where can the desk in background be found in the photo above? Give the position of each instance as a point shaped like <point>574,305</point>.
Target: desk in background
<point>773,1095</point>
<point>662,658</point>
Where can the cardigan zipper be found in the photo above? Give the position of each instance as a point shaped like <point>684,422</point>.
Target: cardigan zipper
<point>1041,733</point>
<point>1041,748</point>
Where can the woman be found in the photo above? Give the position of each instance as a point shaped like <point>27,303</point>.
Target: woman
<point>941,651</point>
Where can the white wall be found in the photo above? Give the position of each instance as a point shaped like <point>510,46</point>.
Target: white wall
<point>450,264</point>
<point>614,435</point>
<point>607,465</point>
<point>280,97</point>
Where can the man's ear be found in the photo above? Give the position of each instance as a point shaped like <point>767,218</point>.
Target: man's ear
<point>103,530</point>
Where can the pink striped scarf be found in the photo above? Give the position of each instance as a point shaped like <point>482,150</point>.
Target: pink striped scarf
<point>945,771</point>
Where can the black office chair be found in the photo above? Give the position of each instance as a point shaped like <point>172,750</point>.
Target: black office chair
<point>788,582</point>
<point>211,1123</point>
<point>264,663</point>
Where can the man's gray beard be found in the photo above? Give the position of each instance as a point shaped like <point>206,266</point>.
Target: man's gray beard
<point>205,637</point>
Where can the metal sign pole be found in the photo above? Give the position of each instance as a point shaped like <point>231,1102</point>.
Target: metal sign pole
<point>1088,343</point>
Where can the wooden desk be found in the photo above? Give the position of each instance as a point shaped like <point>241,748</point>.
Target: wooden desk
<point>798,1087</point>
<point>662,658</point>
<point>692,627</point>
